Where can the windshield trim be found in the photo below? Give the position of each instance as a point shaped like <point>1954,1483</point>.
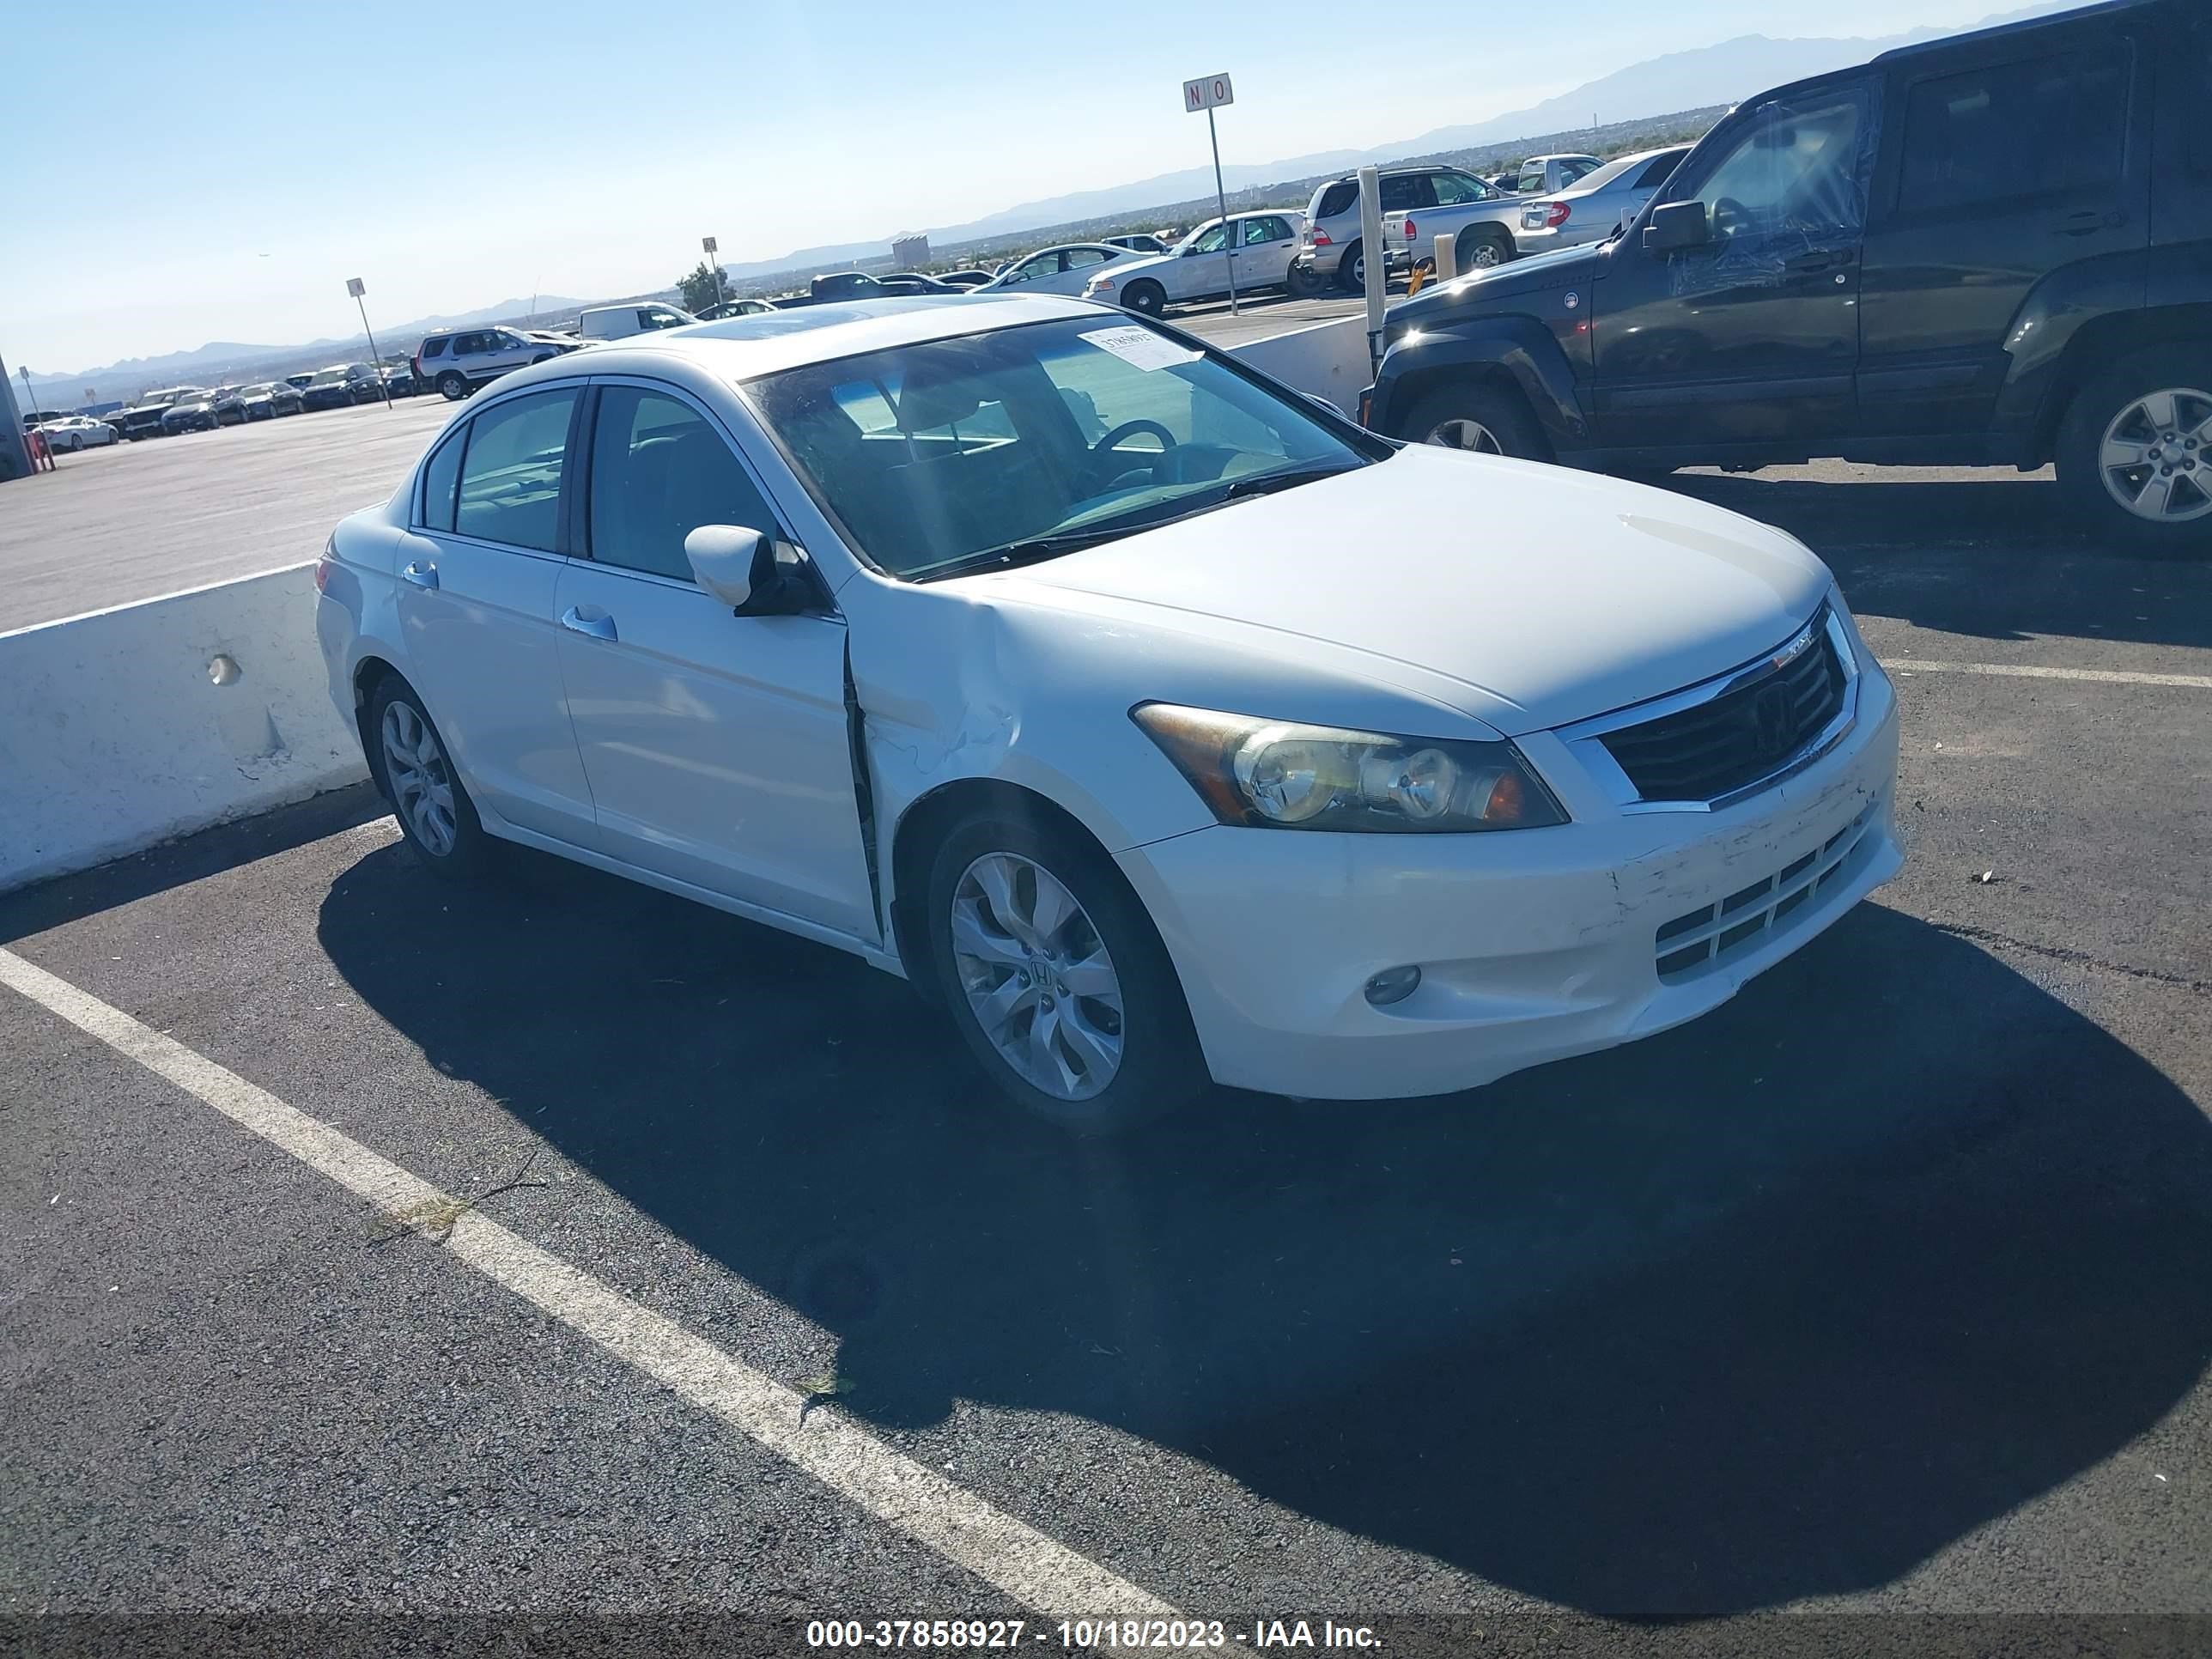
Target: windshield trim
<point>1354,436</point>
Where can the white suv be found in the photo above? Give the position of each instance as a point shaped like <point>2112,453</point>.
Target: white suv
<point>458,361</point>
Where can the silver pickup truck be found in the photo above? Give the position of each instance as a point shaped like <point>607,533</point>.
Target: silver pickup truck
<point>1435,199</point>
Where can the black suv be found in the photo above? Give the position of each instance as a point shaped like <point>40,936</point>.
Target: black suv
<point>1994,248</point>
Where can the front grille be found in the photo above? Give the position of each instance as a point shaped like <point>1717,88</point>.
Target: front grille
<point>1738,736</point>
<point>1713,934</point>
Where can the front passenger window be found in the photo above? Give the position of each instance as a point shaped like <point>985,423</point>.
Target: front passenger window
<point>511,481</point>
<point>660,470</point>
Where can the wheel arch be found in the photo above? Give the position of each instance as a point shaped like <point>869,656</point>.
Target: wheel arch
<point>922,829</point>
<point>1520,350</point>
<point>2092,347</point>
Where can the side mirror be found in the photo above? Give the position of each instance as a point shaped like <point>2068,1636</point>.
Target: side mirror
<point>730,561</point>
<point>1677,225</point>
<point>1323,404</point>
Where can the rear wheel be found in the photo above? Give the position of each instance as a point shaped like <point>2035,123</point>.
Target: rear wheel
<point>452,386</point>
<point>1305,283</point>
<point>2134,451</point>
<point>1352,270</point>
<point>1056,977</point>
<point>1482,415</point>
<point>1483,250</point>
<point>427,795</point>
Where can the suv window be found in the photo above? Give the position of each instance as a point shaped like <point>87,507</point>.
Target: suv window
<point>1797,171</point>
<point>658,471</point>
<point>467,346</point>
<point>1403,192</point>
<point>434,346</point>
<point>1336,198</point>
<point>511,478</point>
<point>2037,128</point>
<point>1459,190</point>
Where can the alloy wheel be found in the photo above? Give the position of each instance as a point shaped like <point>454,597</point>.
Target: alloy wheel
<point>1484,257</point>
<point>2156,456</point>
<point>422,784</point>
<point>1037,976</point>
<point>1465,434</point>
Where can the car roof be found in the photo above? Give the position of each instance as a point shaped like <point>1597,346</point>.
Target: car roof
<point>2018,25</point>
<point>740,348</point>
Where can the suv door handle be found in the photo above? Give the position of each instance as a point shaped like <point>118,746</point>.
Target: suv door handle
<point>423,574</point>
<point>1825,258</point>
<point>601,627</point>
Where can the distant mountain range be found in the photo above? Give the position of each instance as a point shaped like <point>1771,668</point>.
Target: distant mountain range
<point>221,360</point>
<point>1698,78</point>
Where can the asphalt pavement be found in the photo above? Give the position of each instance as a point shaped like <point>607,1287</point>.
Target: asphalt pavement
<point>1868,1314</point>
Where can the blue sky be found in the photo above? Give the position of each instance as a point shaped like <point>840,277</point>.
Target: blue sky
<point>202,172</point>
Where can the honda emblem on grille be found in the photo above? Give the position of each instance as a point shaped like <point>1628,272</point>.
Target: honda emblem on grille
<point>1770,721</point>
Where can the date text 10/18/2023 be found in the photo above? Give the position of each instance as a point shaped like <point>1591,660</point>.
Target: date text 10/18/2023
<point>1086,1635</point>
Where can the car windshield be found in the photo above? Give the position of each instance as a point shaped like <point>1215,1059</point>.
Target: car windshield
<point>326,377</point>
<point>1026,442</point>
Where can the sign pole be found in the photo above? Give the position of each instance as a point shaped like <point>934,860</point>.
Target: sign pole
<point>1204,94</point>
<point>356,287</point>
<point>1221,198</point>
<point>30,406</point>
<point>714,265</point>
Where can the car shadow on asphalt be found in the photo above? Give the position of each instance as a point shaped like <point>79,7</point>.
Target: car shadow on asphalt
<point>1996,558</point>
<point>1769,1307</point>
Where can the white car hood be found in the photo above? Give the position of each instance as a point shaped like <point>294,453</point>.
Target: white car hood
<point>1117,269</point>
<point>1528,596</point>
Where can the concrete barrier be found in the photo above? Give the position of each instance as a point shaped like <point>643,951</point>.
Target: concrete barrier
<point>1329,358</point>
<point>127,727</point>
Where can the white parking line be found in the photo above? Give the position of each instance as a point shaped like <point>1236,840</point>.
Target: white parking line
<point>1031,1568</point>
<point>2016,670</point>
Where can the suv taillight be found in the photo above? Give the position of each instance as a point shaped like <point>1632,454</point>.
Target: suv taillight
<point>1320,238</point>
<point>1556,214</point>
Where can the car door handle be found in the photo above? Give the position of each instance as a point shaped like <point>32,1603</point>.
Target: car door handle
<point>1822,259</point>
<point>600,626</point>
<point>422,574</point>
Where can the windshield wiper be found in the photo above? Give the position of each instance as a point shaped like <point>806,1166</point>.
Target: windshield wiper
<point>1034,551</point>
<point>1283,478</point>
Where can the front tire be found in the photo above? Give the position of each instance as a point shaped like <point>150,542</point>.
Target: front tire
<point>1146,299</point>
<point>452,386</point>
<point>416,776</point>
<point>2135,453</point>
<point>1482,416</point>
<point>1057,978</point>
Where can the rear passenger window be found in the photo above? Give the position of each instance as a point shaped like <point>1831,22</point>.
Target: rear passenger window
<point>435,347</point>
<point>1337,198</point>
<point>511,480</point>
<point>439,477</point>
<point>2039,128</point>
<point>660,470</point>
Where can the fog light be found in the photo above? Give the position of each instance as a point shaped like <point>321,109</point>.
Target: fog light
<point>1393,985</point>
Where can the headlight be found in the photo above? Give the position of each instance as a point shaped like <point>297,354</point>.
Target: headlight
<point>1096,285</point>
<point>1273,775</point>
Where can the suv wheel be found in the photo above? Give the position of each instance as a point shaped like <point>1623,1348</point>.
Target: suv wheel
<point>2134,451</point>
<point>453,385</point>
<point>1483,250</point>
<point>1305,281</point>
<point>1352,270</point>
<point>1482,415</point>
<point>1056,977</point>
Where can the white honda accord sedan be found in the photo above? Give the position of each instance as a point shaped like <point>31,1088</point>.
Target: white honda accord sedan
<point>1159,724</point>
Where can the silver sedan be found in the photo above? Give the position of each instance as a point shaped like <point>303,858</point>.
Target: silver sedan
<point>1599,204</point>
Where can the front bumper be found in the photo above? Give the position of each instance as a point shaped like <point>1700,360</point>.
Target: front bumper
<point>1533,944</point>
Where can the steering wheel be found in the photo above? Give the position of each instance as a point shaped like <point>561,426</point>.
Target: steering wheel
<point>1103,451</point>
<point>1730,215</point>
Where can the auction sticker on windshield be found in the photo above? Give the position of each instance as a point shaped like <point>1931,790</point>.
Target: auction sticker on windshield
<point>1141,348</point>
